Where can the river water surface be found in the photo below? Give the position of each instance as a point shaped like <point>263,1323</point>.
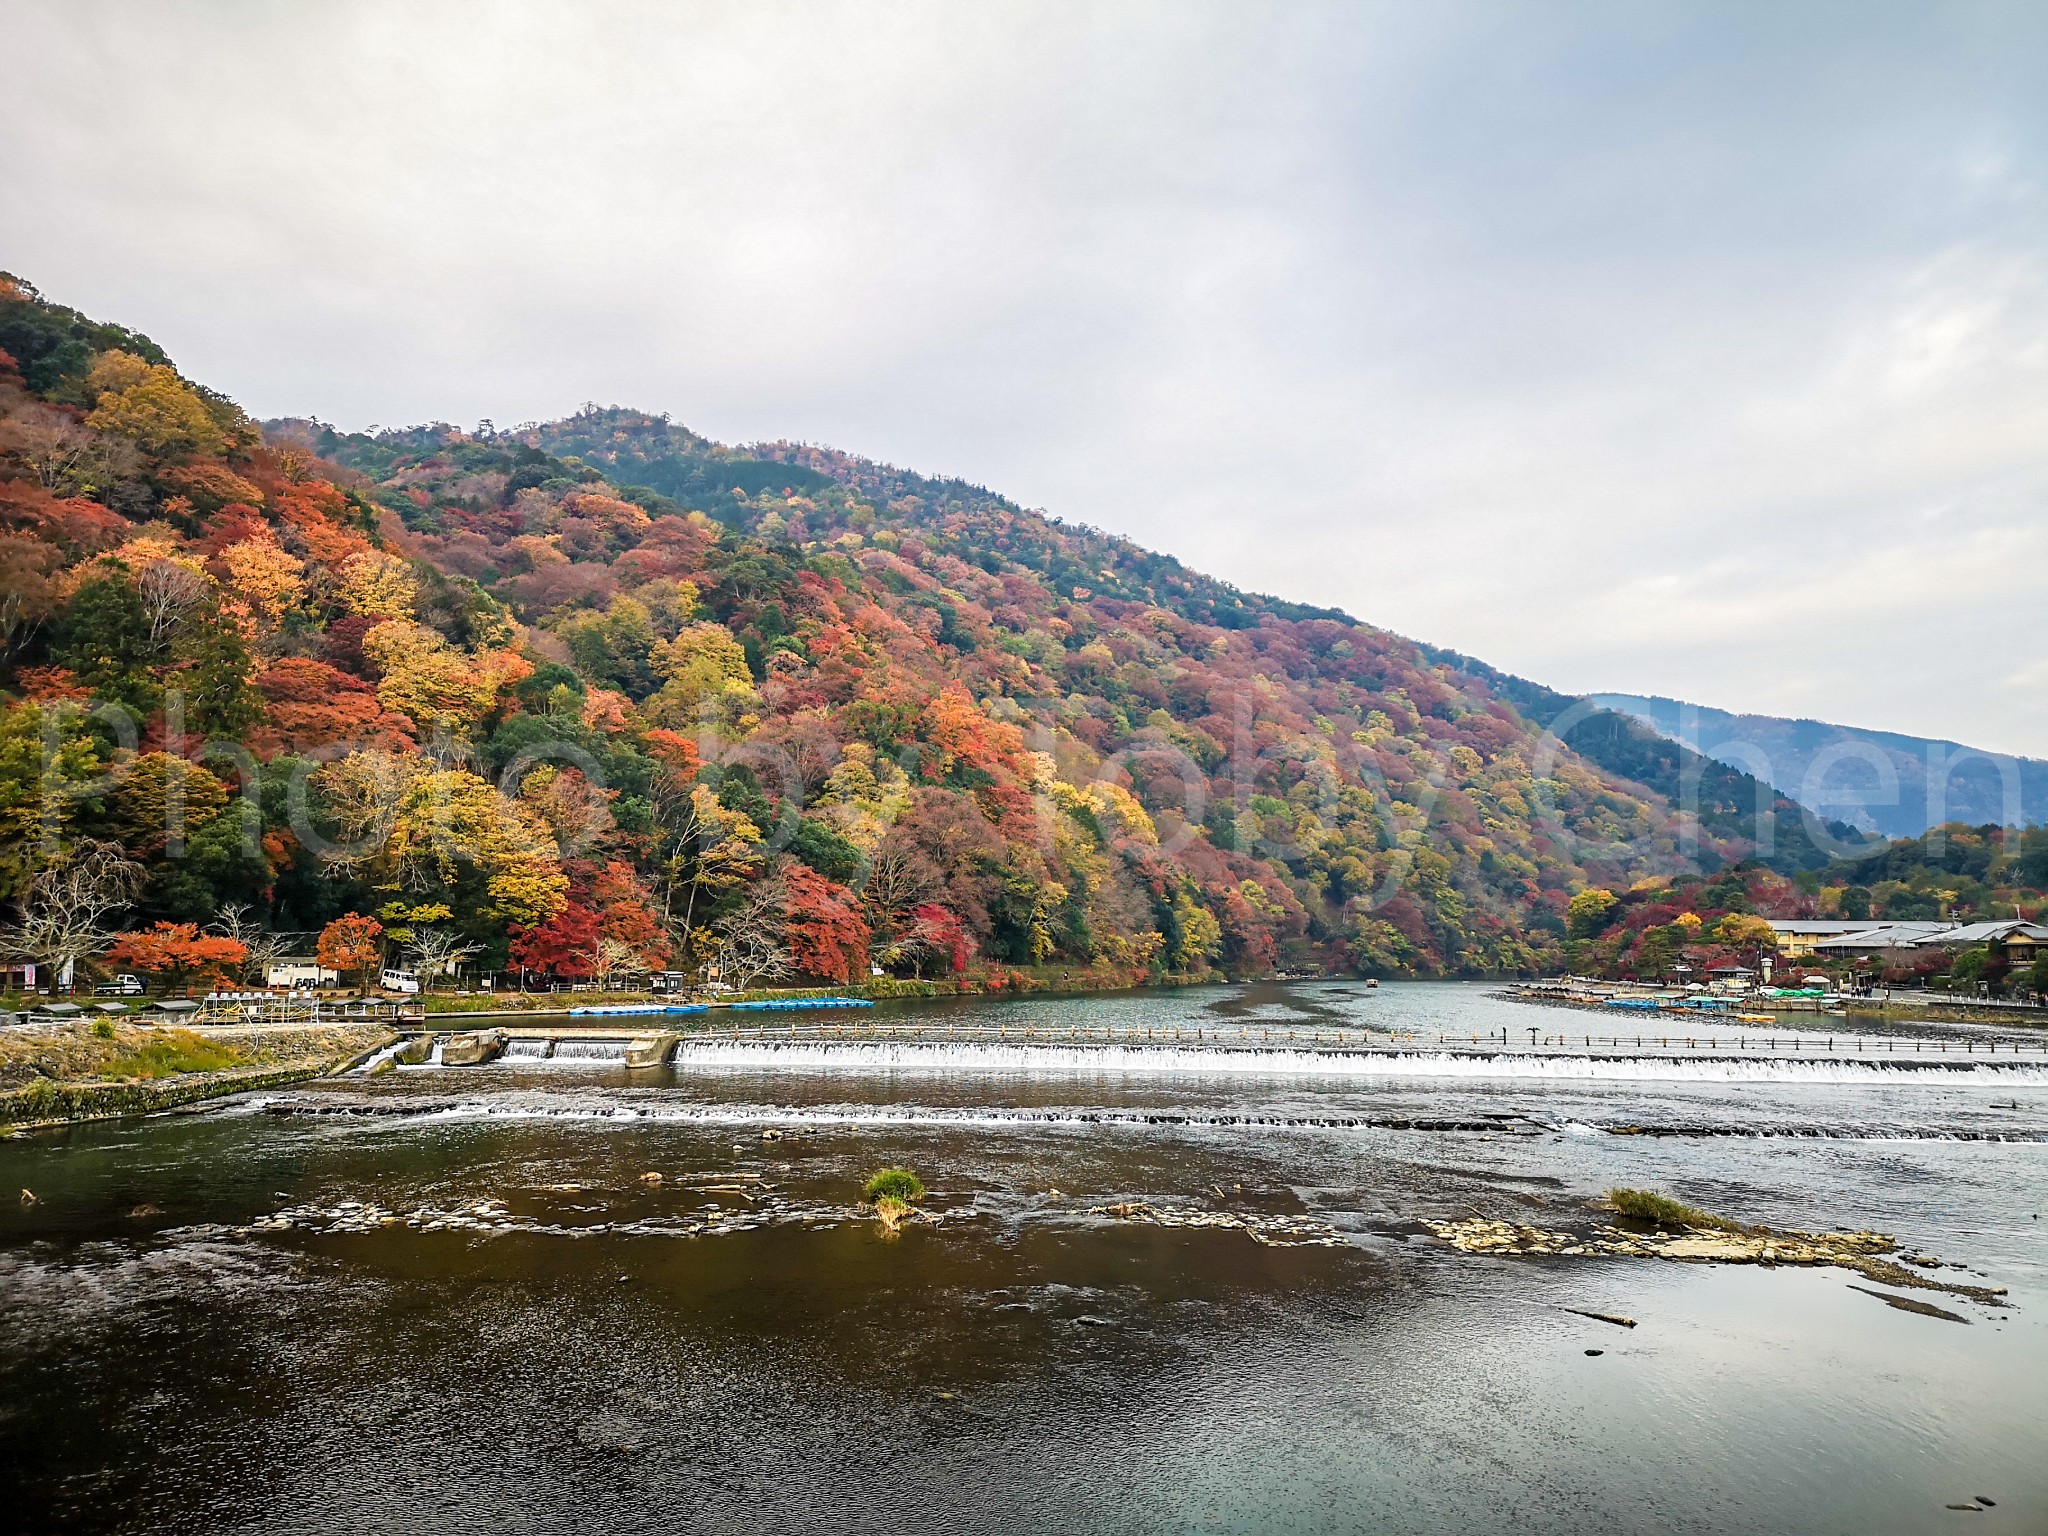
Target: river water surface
<point>453,1300</point>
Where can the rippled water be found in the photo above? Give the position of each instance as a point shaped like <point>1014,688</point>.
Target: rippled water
<point>734,1348</point>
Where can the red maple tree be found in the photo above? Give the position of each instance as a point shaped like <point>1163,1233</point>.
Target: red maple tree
<point>565,946</point>
<point>827,935</point>
<point>935,931</point>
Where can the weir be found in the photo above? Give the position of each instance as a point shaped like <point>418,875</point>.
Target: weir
<point>1722,1055</point>
<point>1357,1061</point>
<point>591,1050</point>
<point>463,1048</point>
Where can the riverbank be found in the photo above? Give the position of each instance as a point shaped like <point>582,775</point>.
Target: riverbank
<point>100,1071</point>
<point>1005,981</point>
<point>1592,996</point>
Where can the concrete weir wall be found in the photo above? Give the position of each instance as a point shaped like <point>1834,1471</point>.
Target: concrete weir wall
<point>469,1048</point>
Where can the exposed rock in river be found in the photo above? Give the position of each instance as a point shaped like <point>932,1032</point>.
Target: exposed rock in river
<point>1859,1251</point>
<point>1272,1231</point>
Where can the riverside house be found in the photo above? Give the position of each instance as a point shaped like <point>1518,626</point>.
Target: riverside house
<point>1885,938</point>
<point>1799,936</point>
<point>2013,941</point>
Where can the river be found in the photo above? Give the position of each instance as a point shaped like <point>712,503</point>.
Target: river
<point>452,1300</point>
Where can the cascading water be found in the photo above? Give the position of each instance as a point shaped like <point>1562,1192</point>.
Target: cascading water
<point>897,1056</point>
<point>526,1050</point>
<point>590,1050</point>
<point>374,1062</point>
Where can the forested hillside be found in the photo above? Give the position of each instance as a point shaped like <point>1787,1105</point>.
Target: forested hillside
<point>602,695</point>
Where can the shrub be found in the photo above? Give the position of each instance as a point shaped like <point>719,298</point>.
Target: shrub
<point>1648,1205</point>
<point>40,1095</point>
<point>895,1184</point>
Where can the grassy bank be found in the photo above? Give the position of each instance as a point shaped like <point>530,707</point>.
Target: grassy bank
<point>1919,1005</point>
<point>92,1071</point>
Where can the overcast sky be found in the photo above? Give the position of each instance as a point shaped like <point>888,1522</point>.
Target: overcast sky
<point>1694,350</point>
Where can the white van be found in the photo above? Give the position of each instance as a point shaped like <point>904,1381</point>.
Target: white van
<point>398,981</point>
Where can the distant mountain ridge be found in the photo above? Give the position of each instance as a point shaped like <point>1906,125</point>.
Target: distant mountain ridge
<point>1879,781</point>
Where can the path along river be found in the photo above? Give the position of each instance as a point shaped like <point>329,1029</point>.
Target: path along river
<point>450,1300</point>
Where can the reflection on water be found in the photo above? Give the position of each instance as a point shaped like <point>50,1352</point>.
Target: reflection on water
<point>732,1348</point>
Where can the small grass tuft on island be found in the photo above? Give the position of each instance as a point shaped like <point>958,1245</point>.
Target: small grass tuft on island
<point>1648,1205</point>
<point>898,1184</point>
<point>891,1192</point>
<point>890,1212</point>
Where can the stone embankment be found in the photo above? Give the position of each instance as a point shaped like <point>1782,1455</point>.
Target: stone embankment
<point>73,1072</point>
<point>1002,981</point>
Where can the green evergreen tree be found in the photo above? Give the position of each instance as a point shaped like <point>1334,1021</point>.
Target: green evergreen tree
<point>219,703</point>
<point>103,639</point>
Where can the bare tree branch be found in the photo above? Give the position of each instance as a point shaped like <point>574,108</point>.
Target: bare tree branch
<point>437,951</point>
<point>64,911</point>
<point>752,943</point>
<point>265,946</point>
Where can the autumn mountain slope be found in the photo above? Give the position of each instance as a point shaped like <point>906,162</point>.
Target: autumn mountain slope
<point>602,694</point>
<point>1738,814</point>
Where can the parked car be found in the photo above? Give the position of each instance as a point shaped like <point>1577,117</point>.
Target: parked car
<point>123,985</point>
<point>392,980</point>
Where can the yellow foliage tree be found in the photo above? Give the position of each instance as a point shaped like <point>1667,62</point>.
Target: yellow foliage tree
<point>154,408</point>
<point>1589,912</point>
<point>704,672</point>
<point>1201,936</point>
<point>410,828</point>
<point>1745,931</point>
<point>711,849</point>
<point>113,372</point>
<point>864,796</point>
<point>378,585</point>
<point>433,684</point>
<point>160,800</point>
<point>1110,807</point>
<point>266,580</point>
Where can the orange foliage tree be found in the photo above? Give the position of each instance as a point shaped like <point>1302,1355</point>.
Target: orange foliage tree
<point>627,918</point>
<point>352,944</point>
<point>179,952</point>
